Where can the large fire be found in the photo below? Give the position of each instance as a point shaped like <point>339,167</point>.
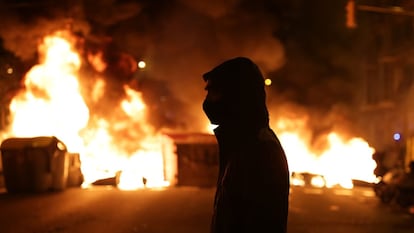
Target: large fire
<point>52,105</point>
<point>339,162</point>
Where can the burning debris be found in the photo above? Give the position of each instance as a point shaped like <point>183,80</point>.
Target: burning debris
<point>95,99</point>
<point>336,160</point>
<point>89,99</point>
<point>112,181</point>
<point>109,130</point>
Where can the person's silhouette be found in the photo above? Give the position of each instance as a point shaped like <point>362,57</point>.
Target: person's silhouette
<point>253,182</point>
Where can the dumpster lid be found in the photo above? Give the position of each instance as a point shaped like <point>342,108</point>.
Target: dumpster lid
<point>42,141</point>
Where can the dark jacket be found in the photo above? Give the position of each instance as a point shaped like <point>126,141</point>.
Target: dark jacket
<point>253,183</point>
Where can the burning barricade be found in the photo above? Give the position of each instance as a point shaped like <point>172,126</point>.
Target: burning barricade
<point>39,164</point>
<point>76,93</point>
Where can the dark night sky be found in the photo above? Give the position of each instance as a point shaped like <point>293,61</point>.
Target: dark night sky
<point>304,46</point>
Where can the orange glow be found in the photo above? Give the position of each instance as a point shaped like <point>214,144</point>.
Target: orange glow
<point>51,104</point>
<point>96,60</point>
<point>318,181</point>
<point>338,163</point>
<point>125,144</point>
<point>98,90</point>
<point>122,144</point>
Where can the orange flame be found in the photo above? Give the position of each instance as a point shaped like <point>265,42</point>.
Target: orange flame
<point>339,163</point>
<point>52,105</point>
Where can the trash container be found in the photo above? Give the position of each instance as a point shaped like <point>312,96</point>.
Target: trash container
<point>75,176</point>
<point>34,164</point>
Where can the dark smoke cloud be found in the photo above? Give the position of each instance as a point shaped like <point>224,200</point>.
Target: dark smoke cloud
<point>110,12</point>
<point>179,39</point>
<point>182,39</point>
<point>191,43</point>
<point>24,23</point>
<point>214,9</point>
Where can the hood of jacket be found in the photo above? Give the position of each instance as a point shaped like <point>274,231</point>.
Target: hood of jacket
<point>241,84</point>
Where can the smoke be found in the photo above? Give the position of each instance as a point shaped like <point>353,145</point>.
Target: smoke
<point>189,39</point>
<point>179,41</point>
<point>23,27</point>
<point>110,12</point>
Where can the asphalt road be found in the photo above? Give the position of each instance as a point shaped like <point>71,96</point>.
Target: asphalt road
<point>315,210</point>
<point>187,210</point>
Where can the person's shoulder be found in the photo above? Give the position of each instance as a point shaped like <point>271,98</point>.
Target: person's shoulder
<point>266,134</point>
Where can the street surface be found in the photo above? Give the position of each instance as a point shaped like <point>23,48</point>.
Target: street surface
<point>314,210</point>
<point>187,210</point>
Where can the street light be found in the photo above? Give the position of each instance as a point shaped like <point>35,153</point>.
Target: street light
<point>142,64</point>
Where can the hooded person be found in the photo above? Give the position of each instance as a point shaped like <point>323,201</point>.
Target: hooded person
<point>252,193</point>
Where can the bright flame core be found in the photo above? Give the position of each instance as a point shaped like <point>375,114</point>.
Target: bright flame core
<point>122,144</point>
<point>125,145</point>
<point>339,163</point>
<point>51,104</point>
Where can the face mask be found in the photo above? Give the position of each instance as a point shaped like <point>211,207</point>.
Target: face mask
<point>214,111</point>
